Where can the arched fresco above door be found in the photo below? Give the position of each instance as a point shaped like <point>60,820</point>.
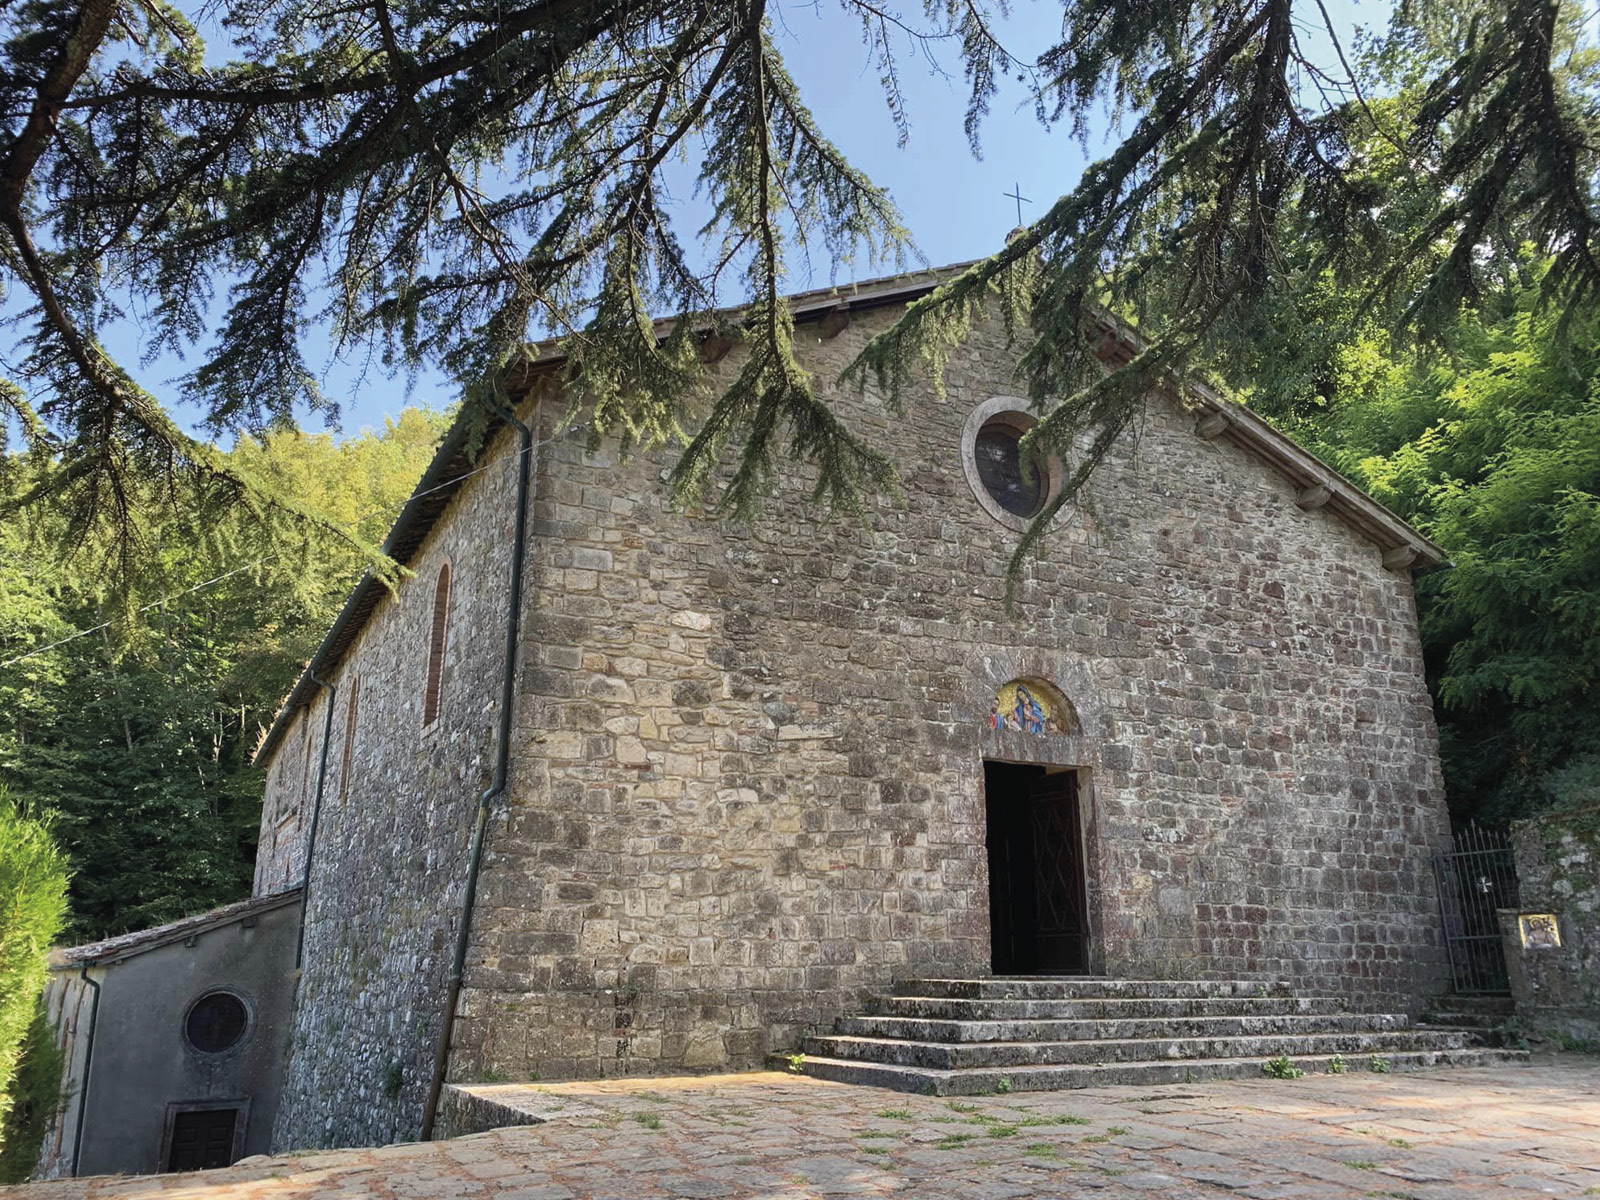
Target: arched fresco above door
<point>1031,705</point>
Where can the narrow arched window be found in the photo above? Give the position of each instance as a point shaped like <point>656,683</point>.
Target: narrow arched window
<point>305,756</point>
<point>436,640</point>
<point>352,708</point>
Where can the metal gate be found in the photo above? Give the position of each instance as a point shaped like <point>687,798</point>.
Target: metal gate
<point>1477,878</point>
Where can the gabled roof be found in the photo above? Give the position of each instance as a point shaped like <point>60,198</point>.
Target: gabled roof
<point>1317,484</point>
<point>127,945</point>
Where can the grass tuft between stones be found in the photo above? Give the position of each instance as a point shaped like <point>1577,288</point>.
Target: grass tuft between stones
<point>1111,1132</point>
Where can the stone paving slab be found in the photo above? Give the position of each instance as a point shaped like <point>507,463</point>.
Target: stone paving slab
<point>1458,1134</point>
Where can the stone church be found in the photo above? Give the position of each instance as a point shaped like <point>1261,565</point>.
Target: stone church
<point>697,788</point>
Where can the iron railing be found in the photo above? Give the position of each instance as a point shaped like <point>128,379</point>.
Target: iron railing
<point>1476,878</point>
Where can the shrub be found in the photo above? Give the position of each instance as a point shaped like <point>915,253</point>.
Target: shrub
<point>33,908</point>
<point>36,1092</point>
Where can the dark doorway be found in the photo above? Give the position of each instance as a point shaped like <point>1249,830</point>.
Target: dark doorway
<point>202,1139</point>
<point>1038,904</point>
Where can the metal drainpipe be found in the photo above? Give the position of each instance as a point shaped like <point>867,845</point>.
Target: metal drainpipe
<point>502,762</point>
<point>316,817</point>
<point>88,1061</point>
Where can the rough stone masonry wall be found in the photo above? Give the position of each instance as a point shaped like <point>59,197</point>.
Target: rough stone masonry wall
<point>1558,871</point>
<point>286,808</point>
<point>748,788</point>
<point>385,889</point>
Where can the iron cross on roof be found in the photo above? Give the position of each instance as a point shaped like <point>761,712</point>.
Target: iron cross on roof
<point>1016,194</point>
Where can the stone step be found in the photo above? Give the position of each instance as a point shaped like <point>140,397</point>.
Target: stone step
<point>1087,987</point>
<point>917,1029</point>
<point>946,1056</point>
<point>1106,1009</point>
<point>1500,1006</point>
<point>1435,1019</point>
<point>986,1081</point>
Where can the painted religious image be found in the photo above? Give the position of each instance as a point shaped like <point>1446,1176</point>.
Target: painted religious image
<point>1026,709</point>
<point>1540,931</point>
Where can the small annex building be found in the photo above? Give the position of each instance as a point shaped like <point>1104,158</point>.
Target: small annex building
<point>754,773</point>
<point>173,1041</point>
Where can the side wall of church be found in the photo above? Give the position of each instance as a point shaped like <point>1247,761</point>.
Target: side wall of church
<point>392,842</point>
<point>286,808</point>
<point>748,788</point>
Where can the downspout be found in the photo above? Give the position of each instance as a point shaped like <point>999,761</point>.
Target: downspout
<point>88,1061</point>
<point>316,817</point>
<point>502,763</point>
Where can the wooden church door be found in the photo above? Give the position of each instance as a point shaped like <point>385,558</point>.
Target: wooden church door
<point>1039,920</point>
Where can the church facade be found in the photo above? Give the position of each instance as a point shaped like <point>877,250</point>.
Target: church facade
<point>755,772</point>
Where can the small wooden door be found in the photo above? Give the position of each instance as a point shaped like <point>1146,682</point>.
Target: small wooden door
<point>202,1138</point>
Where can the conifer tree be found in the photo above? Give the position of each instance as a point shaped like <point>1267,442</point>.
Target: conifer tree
<point>442,180</point>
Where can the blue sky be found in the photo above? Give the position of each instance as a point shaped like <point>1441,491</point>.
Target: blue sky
<point>953,203</point>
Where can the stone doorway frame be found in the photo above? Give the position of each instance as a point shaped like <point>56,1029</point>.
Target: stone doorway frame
<point>1080,804</point>
<point>987,673</point>
<point>241,1123</point>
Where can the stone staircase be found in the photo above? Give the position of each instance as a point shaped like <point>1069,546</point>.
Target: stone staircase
<point>1486,1017</point>
<point>958,1037</point>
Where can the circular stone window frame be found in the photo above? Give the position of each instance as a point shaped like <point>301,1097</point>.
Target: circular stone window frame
<point>238,1043</point>
<point>1023,420</point>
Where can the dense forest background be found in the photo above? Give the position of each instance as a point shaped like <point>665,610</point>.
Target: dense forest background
<point>135,739</point>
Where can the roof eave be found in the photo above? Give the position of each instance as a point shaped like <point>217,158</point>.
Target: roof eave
<point>1218,418</point>
<point>106,952</point>
<point>407,532</point>
<point>1403,547</point>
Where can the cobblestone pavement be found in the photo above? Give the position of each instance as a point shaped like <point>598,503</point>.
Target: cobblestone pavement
<point>1499,1132</point>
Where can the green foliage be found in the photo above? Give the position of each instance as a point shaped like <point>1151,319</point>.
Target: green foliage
<point>1575,1045</point>
<point>1240,209</point>
<point>36,1093</point>
<point>1378,1064</point>
<point>137,738</point>
<point>1495,453</point>
<point>1281,1068</point>
<point>436,185</point>
<point>33,905</point>
<point>439,184</point>
<point>1490,441</point>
